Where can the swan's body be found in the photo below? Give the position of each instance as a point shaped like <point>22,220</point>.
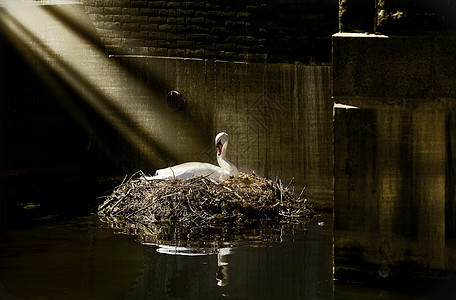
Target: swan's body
<point>191,169</point>
<point>225,170</point>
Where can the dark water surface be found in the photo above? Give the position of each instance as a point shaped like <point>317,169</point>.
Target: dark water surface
<point>84,258</point>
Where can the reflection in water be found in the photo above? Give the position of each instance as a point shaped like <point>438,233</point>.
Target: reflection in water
<point>222,262</point>
<point>84,258</point>
<point>218,240</point>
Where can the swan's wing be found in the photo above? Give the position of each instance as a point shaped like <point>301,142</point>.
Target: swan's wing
<point>191,169</point>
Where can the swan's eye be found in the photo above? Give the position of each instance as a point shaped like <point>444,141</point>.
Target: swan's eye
<point>219,147</point>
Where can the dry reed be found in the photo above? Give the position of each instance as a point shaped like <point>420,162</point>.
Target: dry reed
<point>201,200</point>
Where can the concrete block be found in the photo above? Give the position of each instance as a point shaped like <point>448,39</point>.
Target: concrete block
<point>382,66</point>
<point>391,199</point>
<point>445,66</point>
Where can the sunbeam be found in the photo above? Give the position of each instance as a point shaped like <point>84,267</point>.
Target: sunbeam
<point>66,47</point>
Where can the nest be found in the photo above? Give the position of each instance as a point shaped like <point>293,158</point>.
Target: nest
<point>202,200</point>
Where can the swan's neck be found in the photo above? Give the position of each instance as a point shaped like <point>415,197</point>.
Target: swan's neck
<point>224,163</point>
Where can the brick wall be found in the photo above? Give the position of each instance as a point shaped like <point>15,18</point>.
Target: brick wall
<point>229,30</point>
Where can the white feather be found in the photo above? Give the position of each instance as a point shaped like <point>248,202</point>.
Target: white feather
<point>224,171</point>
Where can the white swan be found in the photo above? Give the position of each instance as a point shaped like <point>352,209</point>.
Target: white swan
<point>192,169</point>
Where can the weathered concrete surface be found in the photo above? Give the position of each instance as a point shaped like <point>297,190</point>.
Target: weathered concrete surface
<point>390,185</point>
<point>394,155</point>
<point>380,66</point>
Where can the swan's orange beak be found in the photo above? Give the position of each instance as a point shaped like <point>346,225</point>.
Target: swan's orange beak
<point>219,148</point>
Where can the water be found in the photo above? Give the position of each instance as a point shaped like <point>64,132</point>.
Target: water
<point>84,258</point>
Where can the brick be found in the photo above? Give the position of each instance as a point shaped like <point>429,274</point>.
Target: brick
<point>204,14</point>
<point>141,50</point>
<point>157,51</point>
<point>162,12</point>
<point>107,18</point>
<point>212,38</point>
<point>235,39</point>
<point>185,12</point>
<point>148,27</point>
<point>225,46</point>
<point>157,4</point>
<point>167,44</point>
<point>234,24</point>
<point>195,53</point>
<point>243,14</point>
<point>115,49</point>
<point>139,19</point>
<point>130,26</point>
<point>172,36</point>
<point>253,40</point>
<point>149,43</point>
<point>172,12</point>
<point>209,53</point>
<point>140,34</point>
<point>196,5</point>
<point>111,41</point>
<point>105,32</point>
<point>220,30</point>
<point>94,10</point>
<point>180,4</point>
<point>121,18</point>
<point>121,3</point>
<point>185,44</point>
<point>166,27</point>
<point>148,12</point>
<point>112,25</point>
<point>130,11</point>
<point>180,20</point>
<point>157,20</point>
<point>133,42</point>
<point>244,48</point>
<point>157,35</point>
<point>195,20</point>
<point>210,46</point>
<point>225,14</point>
<point>176,52</point>
<point>233,56</point>
<point>112,10</point>
<point>104,3</point>
<point>90,2</point>
<point>139,3</point>
<point>196,36</point>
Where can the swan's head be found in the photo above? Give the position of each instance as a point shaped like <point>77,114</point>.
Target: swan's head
<point>220,140</point>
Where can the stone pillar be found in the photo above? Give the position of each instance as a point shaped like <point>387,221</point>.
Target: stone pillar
<point>394,199</point>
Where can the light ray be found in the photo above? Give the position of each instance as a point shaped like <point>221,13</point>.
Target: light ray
<point>122,100</point>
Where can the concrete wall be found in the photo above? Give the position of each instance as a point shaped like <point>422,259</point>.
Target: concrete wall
<point>394,154</point>
<point>279,116</point>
